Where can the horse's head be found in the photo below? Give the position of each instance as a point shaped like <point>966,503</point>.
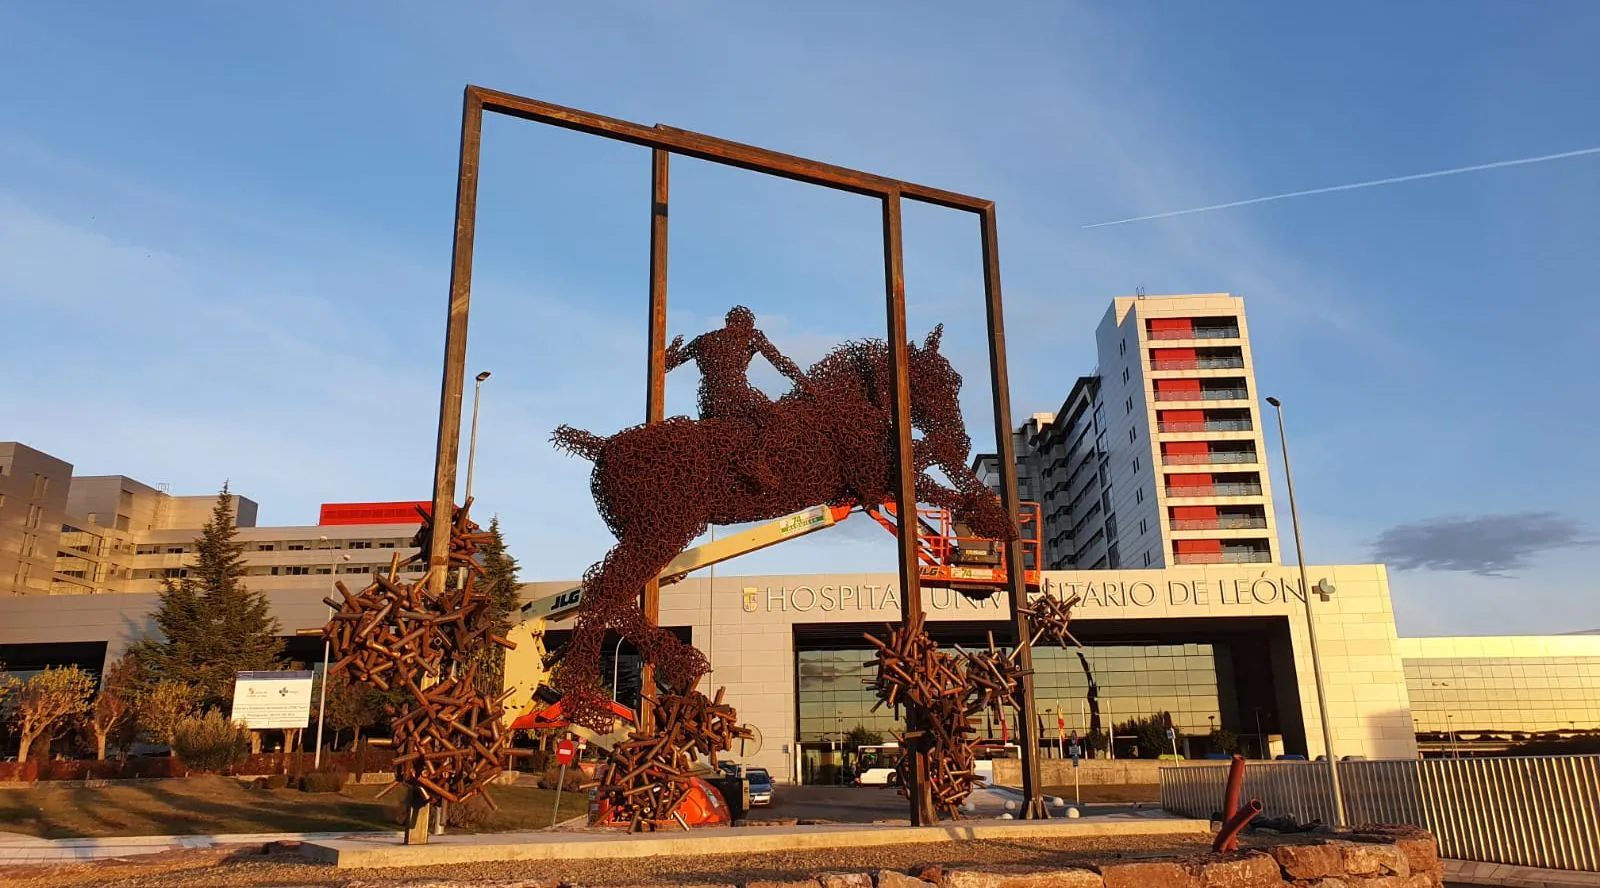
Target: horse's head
<point>936,412</point>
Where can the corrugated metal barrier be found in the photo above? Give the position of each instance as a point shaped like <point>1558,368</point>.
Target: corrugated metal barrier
<point>1539,811</point>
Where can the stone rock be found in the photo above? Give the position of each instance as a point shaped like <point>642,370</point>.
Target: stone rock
<point>930,874</point>
<point>1417,881</point>
<point>1252,869</point>
<point>845,880</point>
<point>1300,862</point>
<point>1063,878</point>
<point>1152,874</point>
<point>1422,854</point>
<point>1373,860</point>
<point>897,879</point>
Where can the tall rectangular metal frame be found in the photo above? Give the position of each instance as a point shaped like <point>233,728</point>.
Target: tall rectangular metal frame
<point>665,141</point>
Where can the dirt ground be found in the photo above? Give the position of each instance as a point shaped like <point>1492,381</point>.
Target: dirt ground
<point>250,868</point>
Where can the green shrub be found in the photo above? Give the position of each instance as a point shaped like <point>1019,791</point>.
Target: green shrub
<point>574,781</point>
<point>471,814</point>
<point>276,781</point>
<point>211,743</point>
<point>323,781</point>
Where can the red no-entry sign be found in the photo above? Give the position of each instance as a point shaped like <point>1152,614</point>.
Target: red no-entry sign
<point>566,752</point>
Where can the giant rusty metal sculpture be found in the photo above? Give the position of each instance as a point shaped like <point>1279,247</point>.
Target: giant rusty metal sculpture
<point>872,448</point>
<point>830,441</point>
<point>448,738</point>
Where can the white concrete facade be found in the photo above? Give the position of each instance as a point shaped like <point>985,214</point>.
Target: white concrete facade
<point>748,628</point>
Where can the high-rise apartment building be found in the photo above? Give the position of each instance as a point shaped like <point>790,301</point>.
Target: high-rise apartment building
<point>1155,459</point>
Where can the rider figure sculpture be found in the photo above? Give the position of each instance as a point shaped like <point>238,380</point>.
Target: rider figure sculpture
<point>723,357</point>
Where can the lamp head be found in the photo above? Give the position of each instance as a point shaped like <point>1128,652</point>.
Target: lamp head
<point>1274,401</point>
<point>482,376</point>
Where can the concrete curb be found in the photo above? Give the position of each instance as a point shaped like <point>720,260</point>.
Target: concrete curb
<point>1503,875</point>
<point>377,852</point>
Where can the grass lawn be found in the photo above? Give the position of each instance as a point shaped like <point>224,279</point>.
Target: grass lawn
<point>1120,793</point>
<point>210,805</point>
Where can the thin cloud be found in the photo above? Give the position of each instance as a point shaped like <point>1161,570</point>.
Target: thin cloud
<point>1486,545</point>
<point>1499,164</point>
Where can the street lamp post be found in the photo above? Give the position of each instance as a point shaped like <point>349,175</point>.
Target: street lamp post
<point>472,455</point>
<point>1449,722</point>
<point>616,663</point>
<point>1311,624</point>
<point>322,703</point>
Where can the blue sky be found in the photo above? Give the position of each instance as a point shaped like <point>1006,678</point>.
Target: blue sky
<point>225,233</point>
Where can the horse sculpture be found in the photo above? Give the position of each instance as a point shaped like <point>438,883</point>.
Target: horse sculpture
<point>830,441</point>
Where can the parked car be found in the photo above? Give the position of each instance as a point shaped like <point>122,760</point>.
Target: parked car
<point>760,786</point>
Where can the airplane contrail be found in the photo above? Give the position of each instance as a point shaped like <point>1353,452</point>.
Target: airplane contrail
<point>1354,185</point>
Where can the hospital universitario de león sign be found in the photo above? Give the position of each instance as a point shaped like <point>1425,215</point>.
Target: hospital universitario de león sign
<point>870,598</point>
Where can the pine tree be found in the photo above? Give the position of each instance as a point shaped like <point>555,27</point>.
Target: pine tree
<point>500,584</point>
<point>212,626</point>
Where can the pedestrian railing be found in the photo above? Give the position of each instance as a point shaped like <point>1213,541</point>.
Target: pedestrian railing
<point>1538,811</point>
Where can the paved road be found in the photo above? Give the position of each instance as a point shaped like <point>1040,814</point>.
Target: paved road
<point>865,804</point>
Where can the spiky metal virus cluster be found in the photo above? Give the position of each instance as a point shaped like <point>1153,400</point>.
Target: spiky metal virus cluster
<point>448,738</point>
<point>938,693</point>
<point>649,774</point>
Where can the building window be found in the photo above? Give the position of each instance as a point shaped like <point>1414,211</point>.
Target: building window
<point>296,547</point>
<point>323,570</point>
<point>1133,433</point>
<point>123,522</point>
<point>174,550</point>
<point>359,544</point>
<point>1147,558</point>
<point>1122,349</point>
<point>1128,405</point>
<point>1124,375</point>
<point>1137,465</point>
<point>297,570</point>
<point>1144,527</point>
<point>172,573</point>
<point>386,544</point>
<point>33,515</point>
<point>41,484</point>
<point>264,547</point>
<point>1138,495</point>
<point>93,518</point>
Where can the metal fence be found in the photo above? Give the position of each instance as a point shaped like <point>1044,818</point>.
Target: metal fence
<point>1539,811</point>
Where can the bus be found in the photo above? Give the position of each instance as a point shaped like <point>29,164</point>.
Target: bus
<point>876,765</point>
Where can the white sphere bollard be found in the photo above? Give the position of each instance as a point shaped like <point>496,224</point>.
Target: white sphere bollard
<point>1057,801</point>
<point>1011,806</point>
<point>1072,814</point>
<point>1006,817</point>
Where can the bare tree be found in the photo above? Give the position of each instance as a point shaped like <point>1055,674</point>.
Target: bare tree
<point>46,701</point>
<point>112,713</point>
<point>163,706</point>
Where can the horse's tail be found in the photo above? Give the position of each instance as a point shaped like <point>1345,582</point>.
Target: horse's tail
<point>578,442</point>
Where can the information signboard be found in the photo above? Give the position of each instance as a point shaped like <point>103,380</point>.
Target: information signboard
<point>266,700</point>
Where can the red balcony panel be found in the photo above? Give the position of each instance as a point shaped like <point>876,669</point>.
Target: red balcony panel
<point>1194,513</point>
<point>1171,326</point>
<point>1198,479</point>
<point>1185,448</point>
<point>1161,356</point>
<point>1197,547</point>
<point>1166,387</point>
